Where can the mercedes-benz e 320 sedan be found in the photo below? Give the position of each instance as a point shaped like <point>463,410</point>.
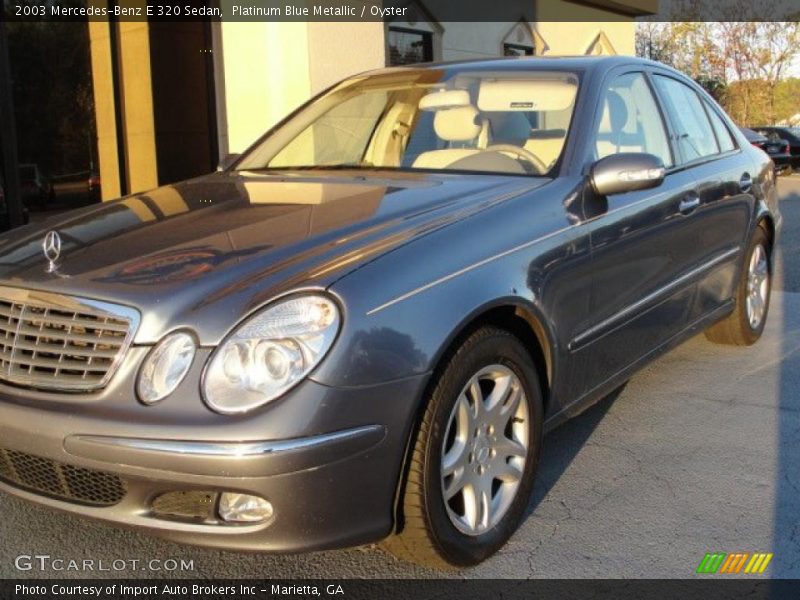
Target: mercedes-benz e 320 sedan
<point>361,328</point>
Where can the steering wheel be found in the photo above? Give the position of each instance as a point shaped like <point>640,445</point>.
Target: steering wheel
<point>522,153</point>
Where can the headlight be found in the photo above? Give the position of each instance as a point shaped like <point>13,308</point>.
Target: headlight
<point>165,367</point>
<point>269,353</point>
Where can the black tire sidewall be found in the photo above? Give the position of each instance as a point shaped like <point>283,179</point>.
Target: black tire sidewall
<point>752,335</point>
<point>495,348</point>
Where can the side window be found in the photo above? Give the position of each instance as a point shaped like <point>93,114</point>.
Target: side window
<point>631,121</point>
<point>694,133</point>
<point>724,138</point>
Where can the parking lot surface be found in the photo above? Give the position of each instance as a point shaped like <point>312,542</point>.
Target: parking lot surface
<point>700,453</point>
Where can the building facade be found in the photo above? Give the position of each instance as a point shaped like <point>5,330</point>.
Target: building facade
<point>173,99</point>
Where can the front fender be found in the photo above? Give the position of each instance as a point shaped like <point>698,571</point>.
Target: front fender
<point>403,311</point>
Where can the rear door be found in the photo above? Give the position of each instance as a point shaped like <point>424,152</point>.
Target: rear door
<point>710,155</point>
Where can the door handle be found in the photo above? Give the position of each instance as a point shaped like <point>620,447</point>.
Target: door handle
<point>746,182</point>
<point>689,204</point>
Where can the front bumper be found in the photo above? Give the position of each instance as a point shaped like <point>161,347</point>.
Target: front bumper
<point>330,485</point>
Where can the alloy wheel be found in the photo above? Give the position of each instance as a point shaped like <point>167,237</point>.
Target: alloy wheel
<point>757,286</point>
<point>484,450</point>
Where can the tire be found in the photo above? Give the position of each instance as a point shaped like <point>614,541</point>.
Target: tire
<point>738,329</point>
<point>446,535</point>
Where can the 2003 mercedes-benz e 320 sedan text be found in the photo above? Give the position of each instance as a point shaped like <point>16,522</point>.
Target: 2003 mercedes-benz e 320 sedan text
<point>361,328</point>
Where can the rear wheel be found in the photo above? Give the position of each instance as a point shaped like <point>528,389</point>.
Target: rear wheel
<point>745,324</point>
<point>475,455</point>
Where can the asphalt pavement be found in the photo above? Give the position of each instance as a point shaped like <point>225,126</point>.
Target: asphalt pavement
<point>700,453</point>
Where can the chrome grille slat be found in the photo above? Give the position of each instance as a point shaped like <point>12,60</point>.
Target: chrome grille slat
<point>37,362</point>
<point>10,312</point>
<point>106,339</point>
<point>50,341</point>
<point>67,348</point>
<point>78,321</point>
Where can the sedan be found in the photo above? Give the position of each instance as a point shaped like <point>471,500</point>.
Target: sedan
<point>790,135</point>
<point>777,149</point>
<point>34,188</point>
<point>361,329</point>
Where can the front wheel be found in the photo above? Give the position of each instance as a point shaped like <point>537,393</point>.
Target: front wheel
<point>744,326</point>
<point>475,455</point>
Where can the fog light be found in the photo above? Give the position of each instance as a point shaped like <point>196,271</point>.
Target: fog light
<point>243,508</point>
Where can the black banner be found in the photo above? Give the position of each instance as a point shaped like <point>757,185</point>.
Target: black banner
<point>461,589</point>
<point>443,11</point>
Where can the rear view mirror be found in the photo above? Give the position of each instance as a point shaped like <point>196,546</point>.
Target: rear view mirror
<point>626,172</point>
<point>444,99</point>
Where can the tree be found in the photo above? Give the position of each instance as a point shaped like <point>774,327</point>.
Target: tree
<point>687,46</point>
<point>758,56</point>
<point>737,57</point>
<point>741,63</point>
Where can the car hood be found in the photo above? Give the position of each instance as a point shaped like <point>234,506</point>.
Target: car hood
<point>200,254</point>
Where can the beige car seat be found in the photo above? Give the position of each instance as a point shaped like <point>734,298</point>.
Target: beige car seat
<point>458,124</point>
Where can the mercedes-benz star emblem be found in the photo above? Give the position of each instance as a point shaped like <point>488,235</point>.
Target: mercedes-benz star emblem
<point>52,250</point>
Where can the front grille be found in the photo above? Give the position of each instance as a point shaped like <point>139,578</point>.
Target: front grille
<point>64,482</point>
<point>50,341</point>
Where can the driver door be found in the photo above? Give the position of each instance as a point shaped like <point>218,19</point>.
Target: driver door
<point>642,245</point>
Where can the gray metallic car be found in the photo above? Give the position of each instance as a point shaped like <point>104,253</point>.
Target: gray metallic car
<point>361,328</point>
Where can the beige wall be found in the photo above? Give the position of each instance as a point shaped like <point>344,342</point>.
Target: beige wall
<point>138,121</point>
<point>576,37</point>
<point>136,107</point>
<point>105,113</point>
<point>269,69</point>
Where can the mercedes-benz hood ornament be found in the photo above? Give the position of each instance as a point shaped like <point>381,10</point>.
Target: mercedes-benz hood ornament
<point>51,246</point>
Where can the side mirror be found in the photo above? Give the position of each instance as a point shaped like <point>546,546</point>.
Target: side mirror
<point>227,161</point>
<point>626,172</point>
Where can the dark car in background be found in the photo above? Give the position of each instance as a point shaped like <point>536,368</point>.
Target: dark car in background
<point>791,135</point>
<point>75,189</point>
<point>362,329</point>
<point>35,189</point>
<point>5,218</point>
<point>93,185</point>
<point>777,149</point>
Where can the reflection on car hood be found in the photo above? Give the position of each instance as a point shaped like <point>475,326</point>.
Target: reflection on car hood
<point>239,238</point>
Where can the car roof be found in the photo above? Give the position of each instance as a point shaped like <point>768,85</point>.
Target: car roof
<point>532,63</point>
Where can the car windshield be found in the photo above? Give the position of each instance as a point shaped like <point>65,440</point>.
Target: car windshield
<point>511,122</point>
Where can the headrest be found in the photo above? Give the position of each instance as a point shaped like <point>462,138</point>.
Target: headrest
<point>457,124</point>
<point>617,111</point>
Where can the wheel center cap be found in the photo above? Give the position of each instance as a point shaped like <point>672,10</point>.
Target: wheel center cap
<point>482,450</point>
